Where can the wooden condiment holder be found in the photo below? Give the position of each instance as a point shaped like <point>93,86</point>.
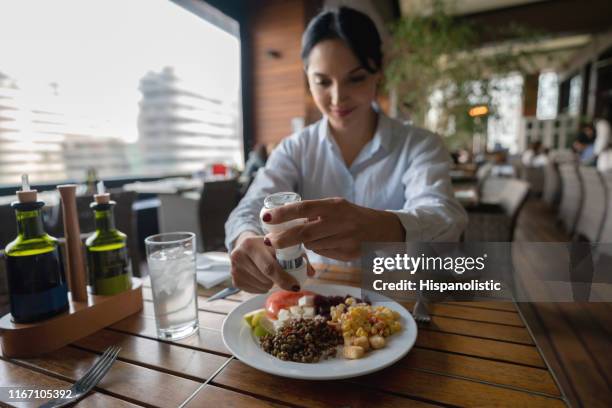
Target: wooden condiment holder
<point>87,313</point>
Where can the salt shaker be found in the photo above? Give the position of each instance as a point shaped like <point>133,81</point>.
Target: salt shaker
<point>292,259</point>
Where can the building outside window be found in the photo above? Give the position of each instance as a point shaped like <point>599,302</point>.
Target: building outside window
<point>136,88</point>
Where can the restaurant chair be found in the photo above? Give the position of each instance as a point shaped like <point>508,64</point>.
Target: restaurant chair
<point>518,166</point>
<point>534,175</point>
<point>125,221</point>
<point>605,235</point>
<point>590,263</point>
<point>8,232</point>
<point>551,190</point>
<point>4,300</point>
<point>571,196</point>
<point>179,212</point>
<point>53,217</point>
<point>217,201</point>
<point>496,221</point>
<point>482,174</point>
<point>603,256</point>
<point>593,210</point>
<point>491,190</point>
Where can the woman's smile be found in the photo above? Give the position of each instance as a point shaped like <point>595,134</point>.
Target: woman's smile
<point>341,112</point>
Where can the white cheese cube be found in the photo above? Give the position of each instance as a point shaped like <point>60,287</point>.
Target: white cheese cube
<point>296,311</point>
<point>283,315</point>
<point>309,311</point>
<point>278,324</point>
<point>307,300</point>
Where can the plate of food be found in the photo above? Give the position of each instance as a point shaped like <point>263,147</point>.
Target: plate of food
<point>323,332</point>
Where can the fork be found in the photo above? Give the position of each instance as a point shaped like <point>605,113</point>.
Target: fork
<point>91,378</point>
<point>420,312</point>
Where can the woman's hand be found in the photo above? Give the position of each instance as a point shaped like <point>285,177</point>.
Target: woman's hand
<point>255,268</point>
<point>336,228</point>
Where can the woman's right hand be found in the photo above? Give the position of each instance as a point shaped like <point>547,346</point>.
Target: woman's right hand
<point>255,268</point>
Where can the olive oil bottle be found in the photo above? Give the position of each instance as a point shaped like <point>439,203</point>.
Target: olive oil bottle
<point>108,262</point>
<point>35,271</point>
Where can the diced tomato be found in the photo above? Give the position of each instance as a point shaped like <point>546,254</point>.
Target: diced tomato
<point>283,300</point>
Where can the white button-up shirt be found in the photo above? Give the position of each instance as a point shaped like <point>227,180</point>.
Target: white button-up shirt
<point>403,169</point>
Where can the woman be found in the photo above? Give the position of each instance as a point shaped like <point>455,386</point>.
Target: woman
<point>363,176</point>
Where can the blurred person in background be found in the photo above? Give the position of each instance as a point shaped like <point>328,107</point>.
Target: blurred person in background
<point>584,144</point>
<point>535,155</point>
<point>530,153</point>
<point>541,159</point>
<point>257,160</point>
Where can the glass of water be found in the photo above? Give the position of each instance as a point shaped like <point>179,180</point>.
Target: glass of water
<point>172,266</point>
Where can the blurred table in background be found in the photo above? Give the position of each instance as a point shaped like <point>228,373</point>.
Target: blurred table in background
<point>174,185</point>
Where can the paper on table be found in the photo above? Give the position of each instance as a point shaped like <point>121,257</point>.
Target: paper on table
<point>212,268</point>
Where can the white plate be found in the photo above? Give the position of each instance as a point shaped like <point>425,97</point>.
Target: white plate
<point>239,340</point>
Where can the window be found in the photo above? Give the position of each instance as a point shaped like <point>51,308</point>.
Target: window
<point>575,95</point>
<point>503,127</point>
<point>131,88</point>
<point>548,96</point>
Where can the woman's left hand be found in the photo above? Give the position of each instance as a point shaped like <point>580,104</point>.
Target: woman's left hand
<point>335,228</point>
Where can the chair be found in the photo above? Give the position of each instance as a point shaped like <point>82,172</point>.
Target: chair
<point>179,212</point>
<point>496,221</point>
<point>482,174</point>
<point>603,258</point>
<point>492,188</point>
<point>4,299</point>
<point>593,209</point>
<point>571,196</point>
<point>217,201</point>
<point>125,221</point>
<point>8,232</point>
<point>551,191</point>
<point>517,165</point>
<point>535,177</point>
<point>606,226</point>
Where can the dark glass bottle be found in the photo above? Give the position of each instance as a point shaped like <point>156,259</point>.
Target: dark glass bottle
<point>35,271</point>
<point>108,261</point>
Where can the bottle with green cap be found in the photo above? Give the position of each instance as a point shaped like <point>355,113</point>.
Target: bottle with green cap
<point>35,271</point>
<point>108,262</point>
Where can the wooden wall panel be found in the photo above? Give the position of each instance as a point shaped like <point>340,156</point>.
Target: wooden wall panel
<point>279,90</point>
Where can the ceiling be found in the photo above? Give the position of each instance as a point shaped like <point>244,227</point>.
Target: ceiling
<point>458,7</point>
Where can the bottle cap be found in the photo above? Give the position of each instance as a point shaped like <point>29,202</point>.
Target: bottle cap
<point>26,195</point>
<point>102,197</point>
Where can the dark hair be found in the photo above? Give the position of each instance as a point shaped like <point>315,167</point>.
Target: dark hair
<point>353,27</point>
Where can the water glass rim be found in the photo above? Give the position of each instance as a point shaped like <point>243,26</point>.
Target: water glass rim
<point>152,239</point>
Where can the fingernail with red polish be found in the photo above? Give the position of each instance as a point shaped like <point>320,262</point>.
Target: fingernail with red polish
<point>266,217</point>
<point>295,288</point>
<point>267,242</point>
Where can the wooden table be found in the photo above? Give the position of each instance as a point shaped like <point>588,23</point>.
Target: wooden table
<point>472,354</point>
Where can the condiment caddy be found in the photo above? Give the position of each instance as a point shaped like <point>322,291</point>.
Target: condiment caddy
<point>50,306</point>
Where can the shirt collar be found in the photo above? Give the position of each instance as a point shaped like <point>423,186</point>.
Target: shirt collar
<point>382,135</point>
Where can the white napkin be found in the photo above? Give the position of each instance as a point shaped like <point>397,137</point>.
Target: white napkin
<point>212,268</point>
